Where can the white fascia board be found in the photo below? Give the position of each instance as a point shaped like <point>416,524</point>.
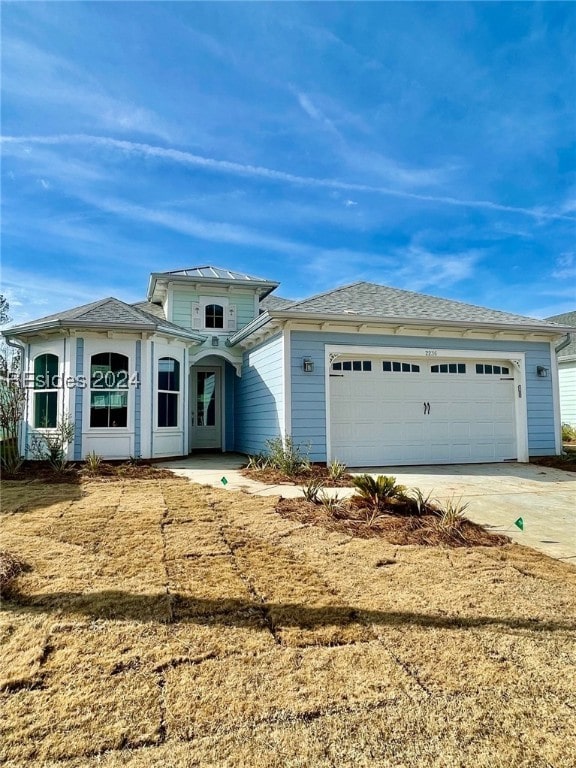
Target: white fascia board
<point>287,381</point>
<point>356,319</point>
<point>556,400</point>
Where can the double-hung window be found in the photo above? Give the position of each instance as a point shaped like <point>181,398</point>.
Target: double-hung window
<point>109,390</point>
<point>45,391</point>
<point>168,391</point>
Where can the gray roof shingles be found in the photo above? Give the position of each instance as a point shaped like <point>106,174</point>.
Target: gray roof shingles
<point>372,300</point>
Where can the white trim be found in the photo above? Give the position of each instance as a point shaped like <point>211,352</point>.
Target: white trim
<point>556,399</point>
<point>516,358</point>
<point>217,352</point>
<point>287,382</point>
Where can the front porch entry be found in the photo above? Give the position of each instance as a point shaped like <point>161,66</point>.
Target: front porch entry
<point>205,407</point>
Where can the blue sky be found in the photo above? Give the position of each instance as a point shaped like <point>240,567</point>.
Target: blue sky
<point>427,146</point>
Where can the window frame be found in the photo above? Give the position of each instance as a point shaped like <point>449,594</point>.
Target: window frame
<point>104,388</point>
<point>168,392</point>
<point>49,390</point>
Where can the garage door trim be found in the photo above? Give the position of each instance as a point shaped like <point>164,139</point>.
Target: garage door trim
<point>429,354</point>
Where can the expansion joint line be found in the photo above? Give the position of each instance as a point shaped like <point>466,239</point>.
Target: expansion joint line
<point>257,598</point>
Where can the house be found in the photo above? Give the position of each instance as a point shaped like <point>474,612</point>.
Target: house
<point>365,373</point>
<point>566,354</point>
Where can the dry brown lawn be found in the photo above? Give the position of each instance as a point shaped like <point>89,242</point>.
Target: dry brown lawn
<point>168,624</point>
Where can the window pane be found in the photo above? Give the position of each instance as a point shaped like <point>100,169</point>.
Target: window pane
<point>169,374</point>
<point>109,370</point>
<point>336,366</point>
<point>396,366</point>
<point>386,365</point>
<point>167,409</point>
<point>444,368</point>
<point>416,369</point>
<point>356,365</point>
<point>496,369</point>
<point>214,316</point>
<point>206,399</point>
<point>479,368</point>
<point>108,409</point>
<point>487,369</point>
<point>45,372</point>
<point>45,409</point>
<point>505,371</point>
<point>367,365</point>
<point>406,367</point>
<point>347,366</point>
<point>434,369</point>
<point>461,368</point>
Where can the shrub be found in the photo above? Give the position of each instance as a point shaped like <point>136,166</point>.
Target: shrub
<point>312,489</point>
<point>258,461</point>
<point>451,514</point>
<point>93,462</point>
<point>336,469</point>
<point>331,502</point>
<point>12,404</point>
<point>287,457</point>
<point>568,433</point>
<point>52,446</point>
<point>373,494</point>
<point>421,504</point>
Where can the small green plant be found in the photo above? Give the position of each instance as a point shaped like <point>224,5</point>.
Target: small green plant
<point>258,461</point>
<point>373,494</point>
<point>12,404</point>
<point>312,489</point>
<point>331,502</point>
<point>52,446</point>
<point>451,514</point>
<point>134,461</point>
<point>419,503</point>
<point>568,433</point>
<point>287,457</point>
<point>336,470</point>
<point>93,462</point>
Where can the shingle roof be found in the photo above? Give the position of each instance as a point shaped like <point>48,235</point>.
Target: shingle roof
<point>370,299</point>
<point>153,309</point>
<point>275,302</point>
<point>568,318</point>
<point>106,313</point>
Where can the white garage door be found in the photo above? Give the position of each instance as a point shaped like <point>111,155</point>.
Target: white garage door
<point>397,411</point>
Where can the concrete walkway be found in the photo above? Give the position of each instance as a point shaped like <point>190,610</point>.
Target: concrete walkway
<point>498,494</point>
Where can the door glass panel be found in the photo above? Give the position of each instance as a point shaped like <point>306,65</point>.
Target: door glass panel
<point>206,399</point>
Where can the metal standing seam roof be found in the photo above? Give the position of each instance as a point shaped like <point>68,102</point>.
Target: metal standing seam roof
<point>568,318</point>
<point>370,299</point>
<point>216,273</point>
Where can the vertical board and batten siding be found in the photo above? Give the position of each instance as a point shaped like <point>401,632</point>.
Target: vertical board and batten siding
<point>182,302</point>
<point>260,397</point>
<point>567,381</point>
<point>309,397</point>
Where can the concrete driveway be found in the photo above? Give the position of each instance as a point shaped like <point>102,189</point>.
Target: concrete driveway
<point>498,494</point>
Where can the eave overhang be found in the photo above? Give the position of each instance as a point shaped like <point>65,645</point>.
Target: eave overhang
<point>159,281</point>
<point>27,331</point>
<point>354,320</point>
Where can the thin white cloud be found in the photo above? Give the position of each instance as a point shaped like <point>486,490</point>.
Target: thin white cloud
<point>252,171</point>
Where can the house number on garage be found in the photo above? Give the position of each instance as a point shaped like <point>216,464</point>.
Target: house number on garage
<point>431,353</point>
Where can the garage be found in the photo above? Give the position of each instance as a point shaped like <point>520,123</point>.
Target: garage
<point>394,409</point>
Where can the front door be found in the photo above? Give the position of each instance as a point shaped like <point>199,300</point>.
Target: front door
<point>205,409</point>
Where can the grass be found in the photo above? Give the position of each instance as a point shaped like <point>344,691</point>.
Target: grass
<point>165,623</point>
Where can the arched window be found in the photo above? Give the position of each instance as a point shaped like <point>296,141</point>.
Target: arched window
<point>168,391</point>
<point>46,391</point>
<point>214,316</point>
<point>109,379</point>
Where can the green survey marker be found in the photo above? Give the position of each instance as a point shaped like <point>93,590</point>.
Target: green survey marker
<point>519,523</point>
<point>224,481</point>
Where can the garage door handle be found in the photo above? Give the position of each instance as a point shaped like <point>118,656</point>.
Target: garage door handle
<point>426,408</point>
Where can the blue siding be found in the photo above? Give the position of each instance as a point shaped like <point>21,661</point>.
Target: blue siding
<point>137,403</point>
<point>78,401</point>
<point>309,400</point>
<point>260,397</point>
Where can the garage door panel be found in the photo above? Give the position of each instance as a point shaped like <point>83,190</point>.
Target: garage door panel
<point>379,417</point>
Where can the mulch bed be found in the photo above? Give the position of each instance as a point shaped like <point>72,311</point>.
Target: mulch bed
<point>317,472</point>
<point>395,528</point>
<point>42,472</point>
<point>566,462</point>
